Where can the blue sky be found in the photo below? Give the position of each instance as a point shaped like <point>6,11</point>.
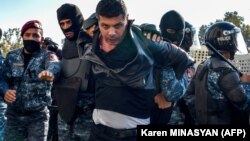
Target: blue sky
<point>14,13</point>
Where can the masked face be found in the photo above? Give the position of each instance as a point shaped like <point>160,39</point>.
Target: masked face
<point>31,45</point>
<point>72,17</point>
<point>174,36</point>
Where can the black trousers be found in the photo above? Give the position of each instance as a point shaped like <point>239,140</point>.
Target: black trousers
<point>103,133</point>
<point>160,116</point>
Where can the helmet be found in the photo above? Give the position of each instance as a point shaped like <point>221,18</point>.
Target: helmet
<point>225,36</point>
<point>149,28</point>
<point>188,39</point>
<point>47,40</point>
<point>92,20</point>
<point>52,46</point>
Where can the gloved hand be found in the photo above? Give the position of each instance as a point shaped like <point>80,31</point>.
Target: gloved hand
<point>150,31</point>
<point>53,47</point>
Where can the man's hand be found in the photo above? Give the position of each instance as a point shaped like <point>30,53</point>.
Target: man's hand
<point>161,101</point>
<point>10,96</point>
<point>245,78</point>
<point>46,75</point>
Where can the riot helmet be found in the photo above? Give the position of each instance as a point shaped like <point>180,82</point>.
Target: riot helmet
<point>50,44</point>
<point>225,36</point>
<point>188,39</point>
<point>92,20</point>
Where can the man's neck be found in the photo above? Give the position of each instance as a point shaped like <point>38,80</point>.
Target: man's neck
<point>105,46</point>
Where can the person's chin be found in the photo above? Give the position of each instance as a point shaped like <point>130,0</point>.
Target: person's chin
<point>113,42</point>
<point>69,35</point>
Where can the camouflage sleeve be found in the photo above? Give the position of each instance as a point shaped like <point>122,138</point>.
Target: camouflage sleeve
<point>246,86</point>
<point>4,75</point>
<point>233,89</point>
<point>172,88</point>
<point>166,55</point>
<point>52,64</point>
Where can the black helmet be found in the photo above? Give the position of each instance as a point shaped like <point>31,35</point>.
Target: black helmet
<point>225,36</point>
<point>52,46</point>
<point>188,39</point>
<point>92,20</point>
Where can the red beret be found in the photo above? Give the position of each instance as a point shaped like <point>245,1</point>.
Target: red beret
<point>31,24</point>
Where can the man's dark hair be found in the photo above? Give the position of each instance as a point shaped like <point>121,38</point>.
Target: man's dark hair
<point>111,8</point>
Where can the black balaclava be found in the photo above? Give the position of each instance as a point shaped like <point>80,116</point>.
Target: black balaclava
<point>72,12</point>
<point>188,39</point>
<point>172,20</point>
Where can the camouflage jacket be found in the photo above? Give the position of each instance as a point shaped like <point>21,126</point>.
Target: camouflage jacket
<point>31,92</point>
<point>219,93</point>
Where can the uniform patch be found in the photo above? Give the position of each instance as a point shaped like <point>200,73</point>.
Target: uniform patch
<point>18,64</point>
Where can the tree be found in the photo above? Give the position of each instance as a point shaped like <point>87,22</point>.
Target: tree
<point>233,17</point>
<point>202,32</point>
<point>11,40</point>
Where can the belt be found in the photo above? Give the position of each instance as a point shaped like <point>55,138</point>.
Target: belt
<point>117,133</point>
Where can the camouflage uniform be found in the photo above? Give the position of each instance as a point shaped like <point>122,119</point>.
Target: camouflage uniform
<point>173,91</point>
<point>2,117</point>
<point>27,117</point>
<point>225,98</point>
<point>79,130</point>
<point>3,105</point>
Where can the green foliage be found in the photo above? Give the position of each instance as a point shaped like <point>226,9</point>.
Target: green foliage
<point>202,31</point>
<point>233,17</point>
<point>11,40</point>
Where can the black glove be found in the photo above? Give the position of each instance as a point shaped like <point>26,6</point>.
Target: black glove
<point>53,47</point>
<point>149,28</point>
<point>150,32</point>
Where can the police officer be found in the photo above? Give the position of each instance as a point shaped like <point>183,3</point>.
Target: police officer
<point>171,89</point>
<point>2,104</point>
<point>181,114</point>
<point>50,45</point>
<point>220,97</point>
<point>75,97</point>
<point>188,38</point>
<point>28,76</point>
